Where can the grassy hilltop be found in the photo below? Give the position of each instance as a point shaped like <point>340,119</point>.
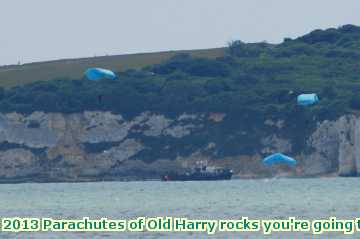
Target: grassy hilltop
<point>250,82</point>
<point>258,76</point>
<point>74,68</point>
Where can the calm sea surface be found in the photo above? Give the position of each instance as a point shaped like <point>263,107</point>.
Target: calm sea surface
<point>256,199</point>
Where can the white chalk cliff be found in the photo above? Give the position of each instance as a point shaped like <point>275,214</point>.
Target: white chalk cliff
<point>102,145</point>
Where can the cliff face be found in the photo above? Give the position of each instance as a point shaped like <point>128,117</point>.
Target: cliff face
<point>102,145</point>
<point>338,142</point>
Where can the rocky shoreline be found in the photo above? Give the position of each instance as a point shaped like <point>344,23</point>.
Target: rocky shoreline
<point>140,179</point>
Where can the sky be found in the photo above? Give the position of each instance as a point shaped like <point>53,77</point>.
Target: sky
<point>41,30</point>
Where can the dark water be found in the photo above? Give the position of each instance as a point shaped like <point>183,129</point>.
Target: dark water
<point>256,199</point>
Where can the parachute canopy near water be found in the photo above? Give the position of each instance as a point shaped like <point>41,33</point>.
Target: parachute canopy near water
<point>99,73</point>
<point>307,99</point>
<point>279,158</point>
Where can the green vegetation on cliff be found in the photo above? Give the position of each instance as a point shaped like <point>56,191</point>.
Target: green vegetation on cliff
<point>251,82</point>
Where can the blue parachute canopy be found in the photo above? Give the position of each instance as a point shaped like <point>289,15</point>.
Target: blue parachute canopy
<point>99,73</point>
<point>307,99</point>
<point>279,158</point>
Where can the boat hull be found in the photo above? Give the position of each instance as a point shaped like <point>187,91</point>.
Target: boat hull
<point>197,177</point>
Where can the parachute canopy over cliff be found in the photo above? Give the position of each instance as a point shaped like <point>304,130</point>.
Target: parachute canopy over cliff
<point>307,99</point>
<point>99,73</point>
<point>279,158</point>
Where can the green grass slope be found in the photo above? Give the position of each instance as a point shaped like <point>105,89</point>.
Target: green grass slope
<point>74,68</point>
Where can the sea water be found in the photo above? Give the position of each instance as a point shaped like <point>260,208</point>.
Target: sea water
<point>255,199</point>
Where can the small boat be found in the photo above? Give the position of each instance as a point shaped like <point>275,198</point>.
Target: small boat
<point>200,174</point>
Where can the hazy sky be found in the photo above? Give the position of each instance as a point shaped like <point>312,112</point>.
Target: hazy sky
<point>38,30</point>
